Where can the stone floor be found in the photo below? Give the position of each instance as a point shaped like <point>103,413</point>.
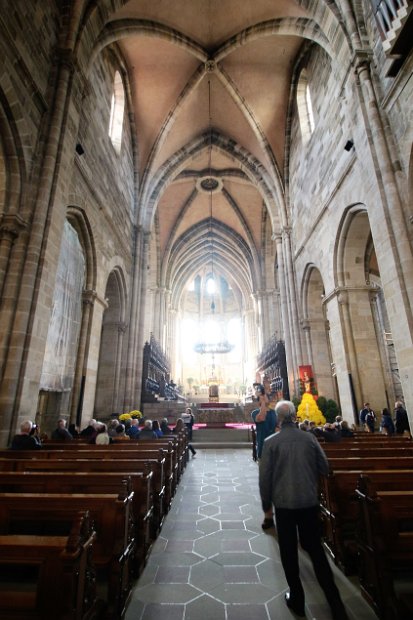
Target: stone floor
<point>212,561</point>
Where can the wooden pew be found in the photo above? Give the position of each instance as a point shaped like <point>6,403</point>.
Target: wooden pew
<point>164,476</point>
<point>139,484</point>
<point>385,544</point>
<point>45,577</point>
<point>340,509</point>
<point>371,462</point>
<point>52,515</point>
<point>361,452</point>
<point>175,447</point>
<point>347,443</point>
<point>125,466</point>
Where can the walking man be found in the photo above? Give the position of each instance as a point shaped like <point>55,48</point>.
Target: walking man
<point>291,464</point>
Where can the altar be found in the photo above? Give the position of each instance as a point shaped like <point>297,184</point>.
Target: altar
<point>216,405</point>
<point>219,413</point>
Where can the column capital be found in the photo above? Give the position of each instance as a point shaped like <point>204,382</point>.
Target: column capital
<point>89,296</point>
<point>286,232</point>
<point>11,225</point>
<point>342,293</point>
<point>361,60</point>
<point>65,57</point>
<point>122,327</point>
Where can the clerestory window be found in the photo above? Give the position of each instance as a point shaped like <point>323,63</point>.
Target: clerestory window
<point>304,105</point>
<point>116,112</point>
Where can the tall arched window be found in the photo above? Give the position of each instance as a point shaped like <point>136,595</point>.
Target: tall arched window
<point>116,112</point>
<point>304,105</point>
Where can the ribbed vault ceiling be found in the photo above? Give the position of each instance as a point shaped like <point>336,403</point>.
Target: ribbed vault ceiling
<point>210,84</point>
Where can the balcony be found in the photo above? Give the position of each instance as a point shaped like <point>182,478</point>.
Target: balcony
<point>395,22</point>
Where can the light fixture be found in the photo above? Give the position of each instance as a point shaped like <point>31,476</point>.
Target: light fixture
<point>210,184</point>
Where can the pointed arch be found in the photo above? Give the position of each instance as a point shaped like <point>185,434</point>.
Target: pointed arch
<point>174,165</point>
<point>111,352</point>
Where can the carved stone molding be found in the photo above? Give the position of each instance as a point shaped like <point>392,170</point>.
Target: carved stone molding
<point>89,297</point>
<point>11,225</point>
<point>210,66</point>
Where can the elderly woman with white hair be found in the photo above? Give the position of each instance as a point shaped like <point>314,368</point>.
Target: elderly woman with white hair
<point>28,438</point>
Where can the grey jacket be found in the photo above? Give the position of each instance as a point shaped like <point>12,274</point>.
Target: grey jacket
<point>291,464</point>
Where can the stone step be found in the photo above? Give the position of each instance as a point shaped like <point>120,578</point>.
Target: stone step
<point>218,436</point>
<point>220,445</point>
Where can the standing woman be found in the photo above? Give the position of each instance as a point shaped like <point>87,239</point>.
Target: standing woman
<point>189,421</point>
<point>400,418</point>
<point>386,424</point>
<point>156,429</point>
<point>180,426</point>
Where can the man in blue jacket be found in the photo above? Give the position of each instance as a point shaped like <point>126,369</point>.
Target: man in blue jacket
<point>264,417</point>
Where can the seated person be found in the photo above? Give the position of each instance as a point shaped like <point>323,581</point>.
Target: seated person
<point>102,437</point>
<point>61,433</point>
<point>132,429</point>
<point>112,426</point>
<point>73,430</point>
<point>164,427</point>
<point>345,430</point>
<point>89,432</point>
<point>120,434</point>
<point>156,429</point>
<point>28,438</point>
<point>147,432</point>
<point>330,432</point>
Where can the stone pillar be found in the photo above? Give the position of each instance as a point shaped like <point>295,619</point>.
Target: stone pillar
<point>318,354</point>
<point>18,392</point>
<point>308,355</point>
<point>172,344</point>
<point>292,298</point>
<point>339,354</point>
<point>116,404</point>
<point>10,227</point>
<point>252,333</point>
<point>259,335</point>
<point>143,260</point>
<point>355,348</point>
<point>96,310</point>
<point>389,231</point>
<point>291,369</point>
<point>76,408</point>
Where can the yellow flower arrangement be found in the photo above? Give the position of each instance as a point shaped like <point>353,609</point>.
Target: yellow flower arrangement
<point>308,410</point>
<point>132,415</point>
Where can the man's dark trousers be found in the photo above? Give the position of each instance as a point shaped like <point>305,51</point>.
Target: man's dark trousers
<point>306,521</point>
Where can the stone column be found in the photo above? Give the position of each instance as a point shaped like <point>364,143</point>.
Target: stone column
<point>308,356</point>
<point>116,405</point>
<point>259,335</point>
<point>292,298</point>
<point>143,259</point>
<point>291,368</point>
<point>172,343</point>
<point>17,324</point>
<point>357,356</point>
<point>389,231</point>
<point>89,298</point>
<point>10,227</point>
<point>91,360</point>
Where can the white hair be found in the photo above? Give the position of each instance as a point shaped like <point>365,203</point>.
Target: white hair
<point>285,411</point>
